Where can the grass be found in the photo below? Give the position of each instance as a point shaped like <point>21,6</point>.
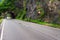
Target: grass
<point>0,21</point>
<point>44,23</point>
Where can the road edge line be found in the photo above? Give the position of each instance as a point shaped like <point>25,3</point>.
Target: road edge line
<point>3,24</point>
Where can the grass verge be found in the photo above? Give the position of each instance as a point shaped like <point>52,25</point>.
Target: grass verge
<point>44,23</point>
<point>0,21</point>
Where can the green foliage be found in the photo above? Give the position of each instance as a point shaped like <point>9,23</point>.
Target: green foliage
<point>44,23</point>
<point>21,14</point>
<point>39,8</point>
<point>8,15</point>
<point>6,5</point>
<point>1,2</point>
<point>1,21</point>
<point>0,17</point>
<point>42,12</point>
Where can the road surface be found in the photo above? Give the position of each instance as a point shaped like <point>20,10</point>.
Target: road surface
<point>0,30</point>
<point>21,30</point>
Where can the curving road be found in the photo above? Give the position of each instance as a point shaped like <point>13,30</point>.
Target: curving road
<point>21,30</point>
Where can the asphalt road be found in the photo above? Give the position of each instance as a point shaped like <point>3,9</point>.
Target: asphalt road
<point>21,30</point>
<point>0,29</point>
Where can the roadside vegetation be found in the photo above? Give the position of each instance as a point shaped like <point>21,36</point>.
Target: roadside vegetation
<point>42,23</point>
<point>46,24</point>
<point>45,12</point>
<point>0,21</point>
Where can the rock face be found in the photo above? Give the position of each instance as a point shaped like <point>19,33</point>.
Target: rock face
<point>31,9</point>
<point>19,3</point>
<point>54,8</point>
<point>51,10</point>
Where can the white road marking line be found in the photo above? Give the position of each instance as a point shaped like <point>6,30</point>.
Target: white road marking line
<point>3,24</point>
